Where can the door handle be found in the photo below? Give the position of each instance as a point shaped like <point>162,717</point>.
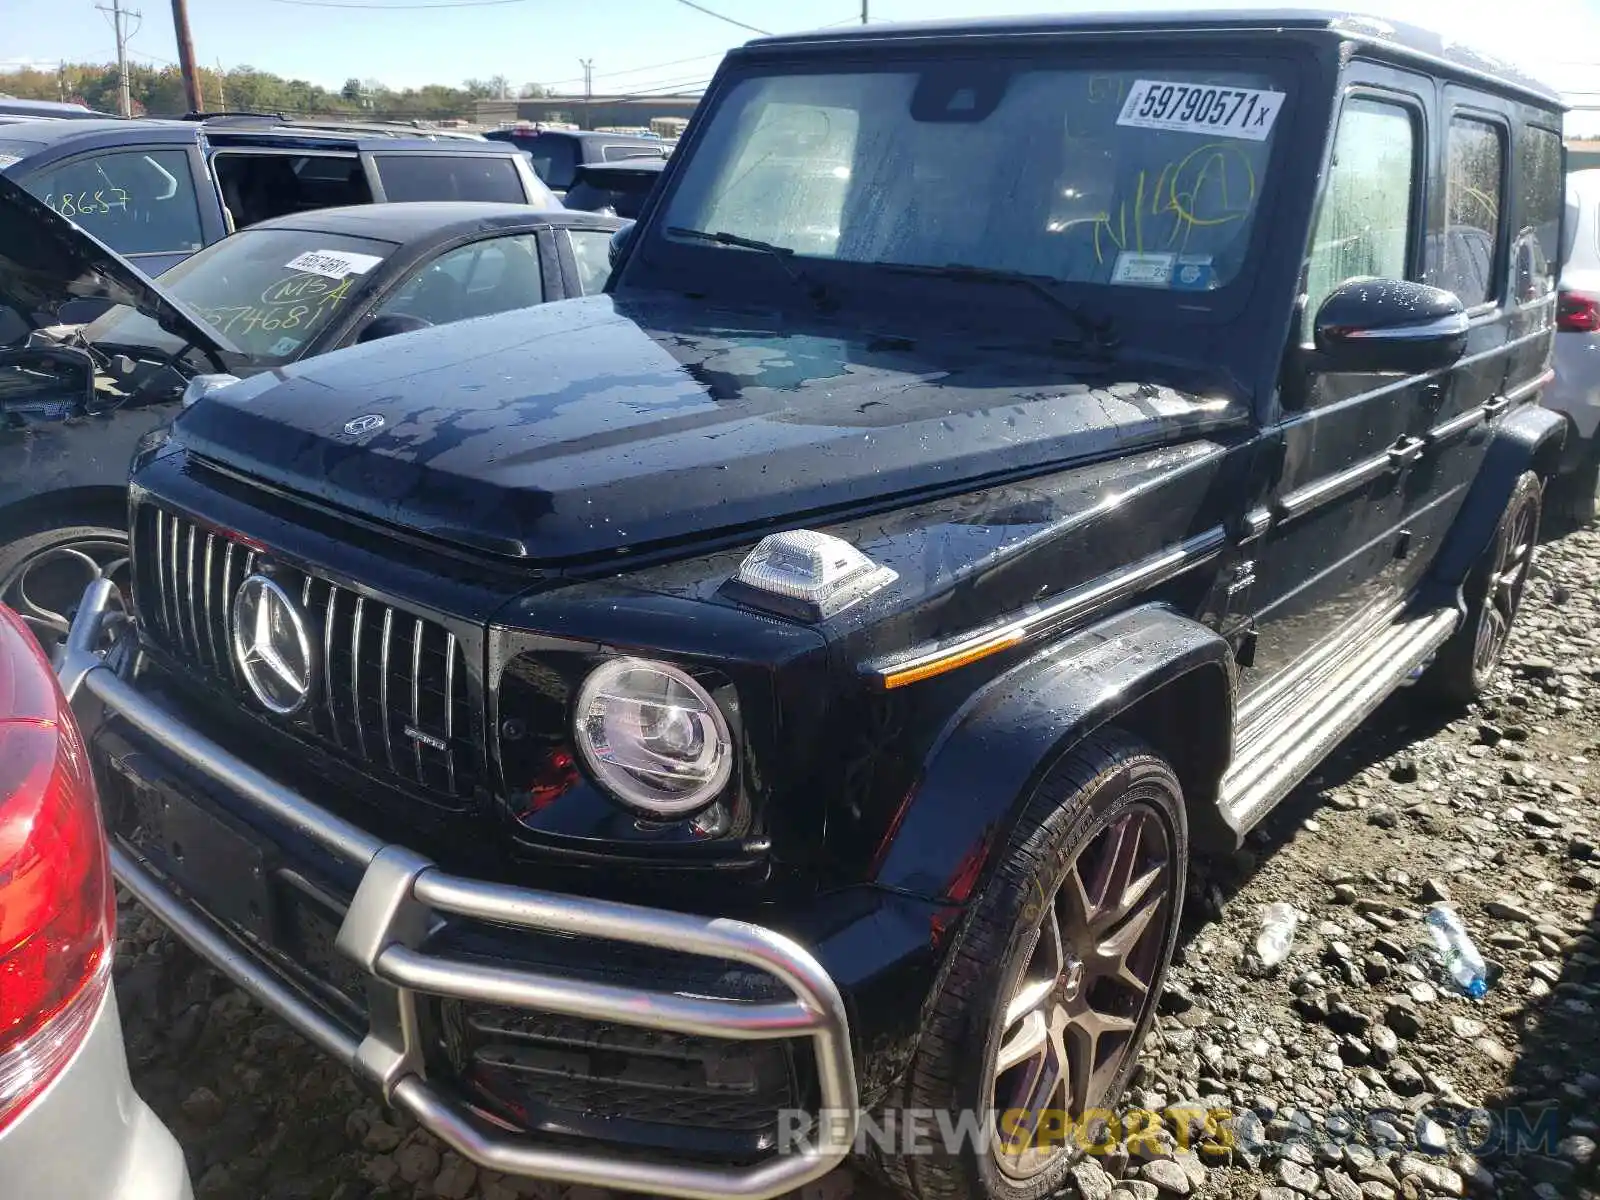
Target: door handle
<point>1406,451</point>
<point>1494,407</point>
<point>1433,393</point>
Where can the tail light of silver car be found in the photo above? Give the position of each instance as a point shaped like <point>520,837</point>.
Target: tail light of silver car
<point>1577,312</point>
<point>57,906</point>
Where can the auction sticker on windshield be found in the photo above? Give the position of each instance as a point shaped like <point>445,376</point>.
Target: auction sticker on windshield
<point>1236,112</point>
<point>333,264</point>
<point>1146,270</point>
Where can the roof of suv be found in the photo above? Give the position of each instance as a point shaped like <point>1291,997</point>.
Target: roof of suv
<point>1412,41</point>
<point>236,132</point>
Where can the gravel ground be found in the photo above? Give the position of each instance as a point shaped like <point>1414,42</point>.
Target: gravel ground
<point>1352,1070</point>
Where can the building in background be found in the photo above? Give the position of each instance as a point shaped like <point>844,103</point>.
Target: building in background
<point>596,112</point>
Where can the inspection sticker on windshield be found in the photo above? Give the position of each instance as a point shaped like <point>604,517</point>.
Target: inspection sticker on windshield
<point>1148,270</point>
<point>333,264</point>
<point>1233,112</point>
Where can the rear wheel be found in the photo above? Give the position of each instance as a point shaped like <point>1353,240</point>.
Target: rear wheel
<point>1036,1021</point>
<point>1493,591</point>
<point>43,572</point>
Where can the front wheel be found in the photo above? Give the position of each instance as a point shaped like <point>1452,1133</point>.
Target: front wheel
<point>1493,593</point>
<point>1036,1021</point>
<point>43,573</point>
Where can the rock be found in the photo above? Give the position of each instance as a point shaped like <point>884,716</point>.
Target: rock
<point>1383,817</point>
<point>1344,893</point>
<point>1401,1015</point>
<point>380,1170</point>
<point>1466,1028</point>
<point>1175,998</point>
<point>1435,891</point>
<point>1435,1178</point>
<point>1576,1148</point>
<point>1581,848</point>
<point>1404,770</point>
<point>455,1178</point>
<point>1495,1052</point>
<point>1277,1193</point>
<point>1093,1183</point>
<point>417,1161</point>
<point>1344,1019</point>
<point>1390,949</point>
<point>381,1137</point>
<point>1548,1170</point>
<point>1541,817</point>
<point>1405,1079</point>
<point>1372,1189</point>
<point>1376,968</point>
<point>1385,1043</point>
<point>1432,1137</point>
<point>1508,908</point>
<point>1313,1006</point>
<point>1340,1186</point>
<point>216,1182</point>
<point>1293,1175</point>
<point>203,1106</point>
<point>1135,1189</point>
<point>1172,1179</point>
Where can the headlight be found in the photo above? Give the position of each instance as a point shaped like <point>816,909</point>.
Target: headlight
<point>653,737</point>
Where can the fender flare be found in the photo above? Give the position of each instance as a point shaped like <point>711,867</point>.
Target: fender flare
<point>994,751</point>
<point>1528,439</point>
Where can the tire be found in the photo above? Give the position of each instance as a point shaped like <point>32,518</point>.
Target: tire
<point>1110,783</point>
<point>1466,663</point>
<point>1573,498</point>
<point>45,567</point>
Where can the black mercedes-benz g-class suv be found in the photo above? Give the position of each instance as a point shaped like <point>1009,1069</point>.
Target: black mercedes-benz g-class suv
<point>790,685</point>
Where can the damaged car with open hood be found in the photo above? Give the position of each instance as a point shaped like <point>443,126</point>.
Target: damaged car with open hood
<point>75,398</point>
<point>656,738</point>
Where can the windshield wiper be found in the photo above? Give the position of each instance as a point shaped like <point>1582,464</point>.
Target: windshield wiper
<point>1098,334</point>
<point>782,255</point>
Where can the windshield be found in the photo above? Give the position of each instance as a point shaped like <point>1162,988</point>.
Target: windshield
<point>1140,177</point>
<point>269,291</point>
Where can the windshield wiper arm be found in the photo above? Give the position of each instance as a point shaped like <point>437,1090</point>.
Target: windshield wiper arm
<point>782,255</point>
<point>1097,332</point>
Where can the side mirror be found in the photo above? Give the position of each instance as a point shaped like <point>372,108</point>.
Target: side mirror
<point>1389,326</point>
<point>620,241</point>
<point>390,324</point>
<point>52,375</point>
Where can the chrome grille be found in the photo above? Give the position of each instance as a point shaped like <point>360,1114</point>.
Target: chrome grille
<point>391,691</point>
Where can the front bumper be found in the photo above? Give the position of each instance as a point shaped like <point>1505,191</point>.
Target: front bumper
<point>402,896</point>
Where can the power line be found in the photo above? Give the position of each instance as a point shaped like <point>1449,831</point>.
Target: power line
<point>708,12</point>
<point>397,7</point>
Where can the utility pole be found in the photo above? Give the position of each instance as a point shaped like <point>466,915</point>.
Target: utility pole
<point>191,76</point>
<point>61,81</point>
<point>119,16</point>
<point>222,88</point>
<point>864,4</point>
<point>588,88</point>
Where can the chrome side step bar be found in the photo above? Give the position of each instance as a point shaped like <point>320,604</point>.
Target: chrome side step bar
<point>1296,726</point>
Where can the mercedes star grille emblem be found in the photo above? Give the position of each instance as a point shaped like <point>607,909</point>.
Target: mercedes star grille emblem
<point>271,645</point>
<point>360,425</point>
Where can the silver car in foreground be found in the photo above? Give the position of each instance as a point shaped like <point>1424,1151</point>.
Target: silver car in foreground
<point>71,1125</point>
<point>1576,390</point>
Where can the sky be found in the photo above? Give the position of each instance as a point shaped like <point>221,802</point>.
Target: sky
<point>640,45</point>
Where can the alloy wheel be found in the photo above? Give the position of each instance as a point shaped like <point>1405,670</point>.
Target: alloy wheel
<point>1072,1017</point>
<point>1503,589</point>
<point>45,587</point>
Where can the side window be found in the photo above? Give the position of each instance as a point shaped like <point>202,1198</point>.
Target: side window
<point>1464,263</point>
<point>1539,186</point>
<point>135,201</point>
<point>474,280</point>
<point>555,159</point>
<point>450,177</point>
<point>1364,224</point>
<point>592,250</point>
<point>619,153</point>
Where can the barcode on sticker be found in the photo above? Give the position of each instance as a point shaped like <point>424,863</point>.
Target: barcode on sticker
<point>1208,108</point>
<point>333,264</point>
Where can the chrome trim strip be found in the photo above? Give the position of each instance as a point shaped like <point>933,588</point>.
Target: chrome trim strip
<point>1073,605</point>
<point>1450,325</point>
<point>355,673</point>
<point>211,620</point>
<point>383,686</point>
<point>450,706</point>
<point>1302,500</point>
<point>416,691</point>
<point>194,602</point>
<point>330,611</point>
<point>1457,424</point>
<point>177,602</point>
<point>402,896</point>
<point>1529,386</point>
<point>161,567</point>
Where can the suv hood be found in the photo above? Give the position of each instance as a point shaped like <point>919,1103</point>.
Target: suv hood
<point>46,260</point>
<point>601,425</point>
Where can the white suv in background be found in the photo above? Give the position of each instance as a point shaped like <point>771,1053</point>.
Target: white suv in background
<point>1576,390</point>
<point>71,1125</point>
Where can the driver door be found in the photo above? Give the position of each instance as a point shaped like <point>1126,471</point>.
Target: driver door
<point>1333,525</point>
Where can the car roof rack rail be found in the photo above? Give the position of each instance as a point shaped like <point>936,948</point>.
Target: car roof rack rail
<point>234,113</point>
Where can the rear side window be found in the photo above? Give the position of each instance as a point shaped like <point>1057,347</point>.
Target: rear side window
<point>450,177</point>
<point>591,249</point>
<point>555,159</point>
<point>1474,167</point>
<point>491,276</point>
<point>135,201</point>
<point>1537,249</point>
<point>1364,225</point>
<point>617,153</point>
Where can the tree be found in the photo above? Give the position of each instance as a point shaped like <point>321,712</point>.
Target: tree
<point>351,90</point>
<point>532,91</point>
